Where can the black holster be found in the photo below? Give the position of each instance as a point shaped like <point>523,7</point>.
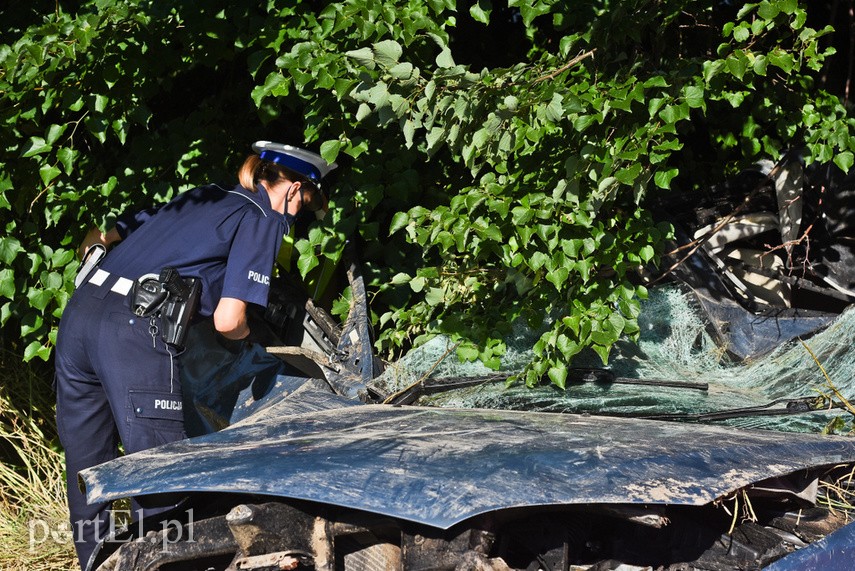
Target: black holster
<point>171,298</point>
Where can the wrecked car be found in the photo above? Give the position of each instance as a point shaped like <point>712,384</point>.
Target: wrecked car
<point>697,448</point>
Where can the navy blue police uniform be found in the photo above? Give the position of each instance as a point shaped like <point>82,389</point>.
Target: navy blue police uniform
<point>117,379</point>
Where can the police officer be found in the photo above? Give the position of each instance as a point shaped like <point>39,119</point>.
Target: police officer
<point>117,377</point>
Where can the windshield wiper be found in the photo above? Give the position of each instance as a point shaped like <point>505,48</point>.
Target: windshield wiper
<point>791,406</point>
<point>575,375</point>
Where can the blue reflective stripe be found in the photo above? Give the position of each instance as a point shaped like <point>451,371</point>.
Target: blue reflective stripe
<point>293,163</point>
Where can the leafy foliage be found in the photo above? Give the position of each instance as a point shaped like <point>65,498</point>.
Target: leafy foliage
<point>495,157</point>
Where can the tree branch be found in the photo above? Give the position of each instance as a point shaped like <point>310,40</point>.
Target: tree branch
<point>566,66</point>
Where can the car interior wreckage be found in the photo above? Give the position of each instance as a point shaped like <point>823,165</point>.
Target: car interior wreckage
<point>698,447</point>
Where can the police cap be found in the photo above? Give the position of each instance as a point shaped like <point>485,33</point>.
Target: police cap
<point>309,164</point>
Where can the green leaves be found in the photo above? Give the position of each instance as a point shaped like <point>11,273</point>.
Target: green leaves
<point>81,143</point>
<point>9,249</point>
<point>7,283</point>
<point>694,96</point>
<point>35,146</point>
<point>844,160</point>
<point>481,10</point>
<point>663,179</point>
<point>445,59</point>
<point>330,150</point>
<point>559,157</point>
<point>782,60</point>
<point>481,193</point>
<point>387,53</point>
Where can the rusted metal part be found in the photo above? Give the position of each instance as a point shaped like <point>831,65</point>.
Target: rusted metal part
<point>422,552</point>
<point>548,538</point>
<point>472,561</point>
<point>442,466</point>
<point>373,557</point>
<point>197,540</point>
<point>276,527</point>
<point>252,536</point>
<point>261,529</point>
<point>284,561</point>
<point>469,549</point>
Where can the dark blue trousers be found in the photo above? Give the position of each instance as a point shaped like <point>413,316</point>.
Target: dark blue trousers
<point>116,381</point>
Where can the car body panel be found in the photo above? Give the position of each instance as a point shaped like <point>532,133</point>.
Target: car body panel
<point>442,466</point>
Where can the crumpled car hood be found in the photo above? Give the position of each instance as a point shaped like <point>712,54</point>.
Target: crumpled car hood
<point>442,466</point>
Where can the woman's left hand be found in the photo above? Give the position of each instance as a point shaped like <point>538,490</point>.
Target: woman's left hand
<point>95,236</point>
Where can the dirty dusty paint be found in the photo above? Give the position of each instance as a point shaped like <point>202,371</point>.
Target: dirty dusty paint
<point>442,466</point>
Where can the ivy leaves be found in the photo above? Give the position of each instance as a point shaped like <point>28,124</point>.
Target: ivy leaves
<point>83,98</point>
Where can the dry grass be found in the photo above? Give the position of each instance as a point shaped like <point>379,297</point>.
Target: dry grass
<point>741,512</point>
<point>34,530</point>
<point>838,493</point>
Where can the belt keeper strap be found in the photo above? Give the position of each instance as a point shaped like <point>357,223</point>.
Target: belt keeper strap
<point>122,286</point>
<point>99,277</point>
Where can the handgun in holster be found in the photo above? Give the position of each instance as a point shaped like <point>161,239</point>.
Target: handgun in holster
<point>172,298</point>
<point>180,306</point>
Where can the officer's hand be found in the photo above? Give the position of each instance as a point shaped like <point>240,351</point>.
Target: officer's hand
<point>95,236</point>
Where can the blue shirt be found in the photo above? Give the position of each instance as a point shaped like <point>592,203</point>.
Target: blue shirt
<point>228,238</point>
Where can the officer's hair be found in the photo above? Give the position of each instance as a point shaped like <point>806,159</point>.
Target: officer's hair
<point>255,170</point>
